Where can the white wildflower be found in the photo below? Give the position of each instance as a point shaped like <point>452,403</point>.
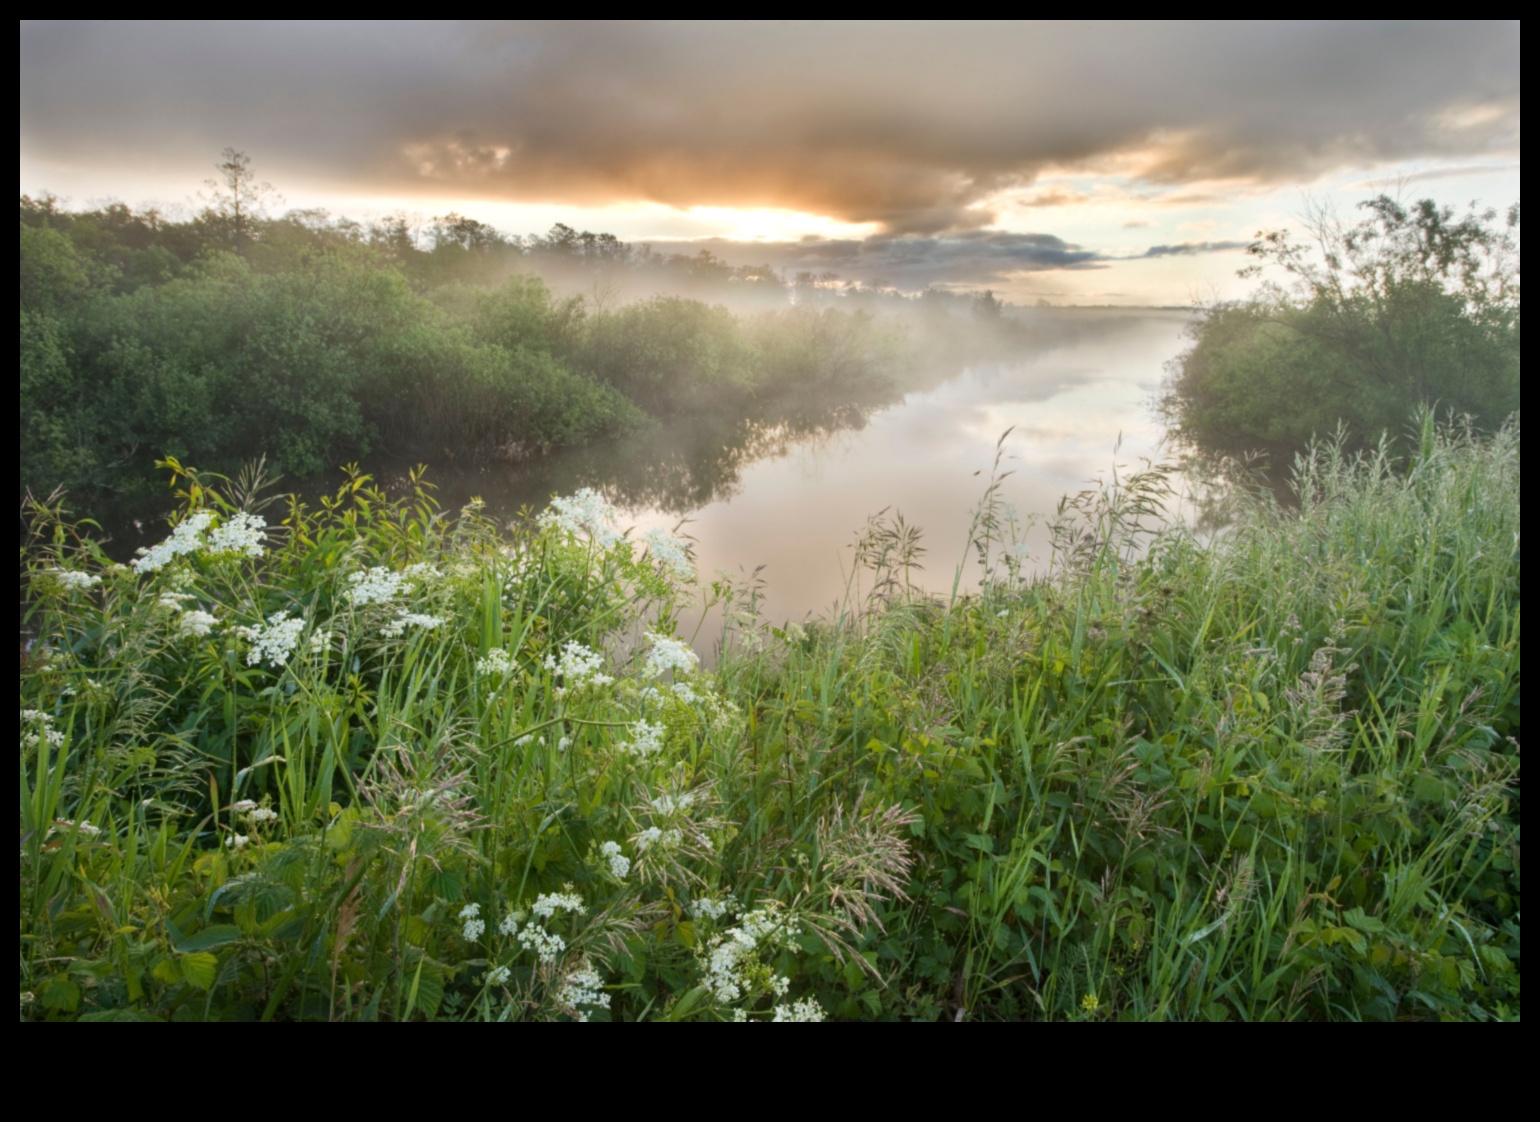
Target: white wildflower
<point>583,987</point>
<point>245,806</point>
<point>807,1009</point>
<point>647,739</point>
<point>473,925</point>
<point>669,654</point>
<point>263,814</point>
<point>38,730</point>
<point>380,585</point>
<point>237,841</point>
<point>75,581</point>
<point>619,863</point>
<point>548,904</point>
<point>671,554</point>
<point>578,666</point>
<point>708,907</point>
<point>186,537</point>
<point>497,975</point>
<point>584,513</point>
<point>495,663</point>
<point>656,836</point>
<point>563,744</point>
<point>274,642</point>
<point>240,533</point>
<point>510,923</point>
<point>729,955</point>
<point>547,945</point>
<point>404,619</point>
<point>194,624</point>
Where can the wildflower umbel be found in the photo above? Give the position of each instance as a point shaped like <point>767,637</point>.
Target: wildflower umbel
<point>585,513</point>
<point>472,925</point>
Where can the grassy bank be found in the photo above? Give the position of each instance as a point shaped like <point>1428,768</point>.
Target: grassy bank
<point>367,761</point>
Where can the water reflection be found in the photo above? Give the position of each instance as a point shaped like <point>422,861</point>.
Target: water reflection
<point>791,487</point>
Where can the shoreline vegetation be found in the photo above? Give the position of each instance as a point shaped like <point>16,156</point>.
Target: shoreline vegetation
<point>369,760</point>
<point>314,340</point>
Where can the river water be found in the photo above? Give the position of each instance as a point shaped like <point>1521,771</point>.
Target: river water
<point>790,502</point>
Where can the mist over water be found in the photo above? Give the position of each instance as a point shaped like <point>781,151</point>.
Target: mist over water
<point>792,496</point>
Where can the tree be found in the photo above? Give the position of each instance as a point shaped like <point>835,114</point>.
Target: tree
<point>239,201</point>
<point>1408,306</point>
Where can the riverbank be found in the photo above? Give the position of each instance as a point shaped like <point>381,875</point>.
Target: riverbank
<point>380,763</point>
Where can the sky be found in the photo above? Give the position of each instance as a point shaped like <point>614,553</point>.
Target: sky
<point>1068,161</point>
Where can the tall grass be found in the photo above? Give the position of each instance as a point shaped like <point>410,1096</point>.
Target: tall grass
<point>1273,776</point>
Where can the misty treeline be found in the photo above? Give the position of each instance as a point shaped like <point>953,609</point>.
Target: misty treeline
<point>1359,325</point>
<point>315,340</point>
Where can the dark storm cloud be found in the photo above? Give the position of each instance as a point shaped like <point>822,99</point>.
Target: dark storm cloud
<point>907,125</point>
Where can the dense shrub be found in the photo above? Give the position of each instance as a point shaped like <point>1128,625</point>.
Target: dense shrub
<point>1410,307</point>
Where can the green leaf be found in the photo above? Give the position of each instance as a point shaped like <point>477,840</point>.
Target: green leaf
<point>200,969</point>
<point>216,935</point>
<point>60,993</point>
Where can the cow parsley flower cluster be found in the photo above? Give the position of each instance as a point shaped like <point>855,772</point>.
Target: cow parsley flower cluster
<point>646,739</point>
<point>547,945</point>
<point>495,663</point>
<point>807,1009</point>
<point>583,987</point>
<point>274,641</point>
<point>578,666</point>
<point>657,836</point>
<point>74,580</point>
<point>404,619</point>
<point>194,624</point>
<point>381,585</point>
<point>548,904</point>
<point>186,537</point>
<point>619,863</point>
<point>37,729</point>
<point>709,907</point>
<point>669,654</point>
<point>240,533</point>
<point>584,513</point>
<point>731,960</point>
<point>472,925</point>
<point>671,554</point>
<point>498,975</point>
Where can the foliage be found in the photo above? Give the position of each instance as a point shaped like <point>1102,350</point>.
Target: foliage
<point>378,763</point>
<point>1407,307</point>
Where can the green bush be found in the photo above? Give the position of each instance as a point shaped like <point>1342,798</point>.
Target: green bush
<point>1407,308</point>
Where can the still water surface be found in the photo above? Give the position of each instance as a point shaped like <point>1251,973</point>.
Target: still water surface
<point>794,501</point>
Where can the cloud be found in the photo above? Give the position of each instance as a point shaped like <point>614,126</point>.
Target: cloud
<point>915,126</point>
<point>1190,249</point>
<point>1457,171</point>
<point>970,258</point>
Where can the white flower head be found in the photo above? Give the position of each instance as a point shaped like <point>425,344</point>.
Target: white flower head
<point>669,654</point>
<point>240,533</point>
<point>585,513</point>
<point>578,666</point>
<point>671,554</point>
<point>619,863</point>
<point>275,641</point>
<point>74,580</point>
